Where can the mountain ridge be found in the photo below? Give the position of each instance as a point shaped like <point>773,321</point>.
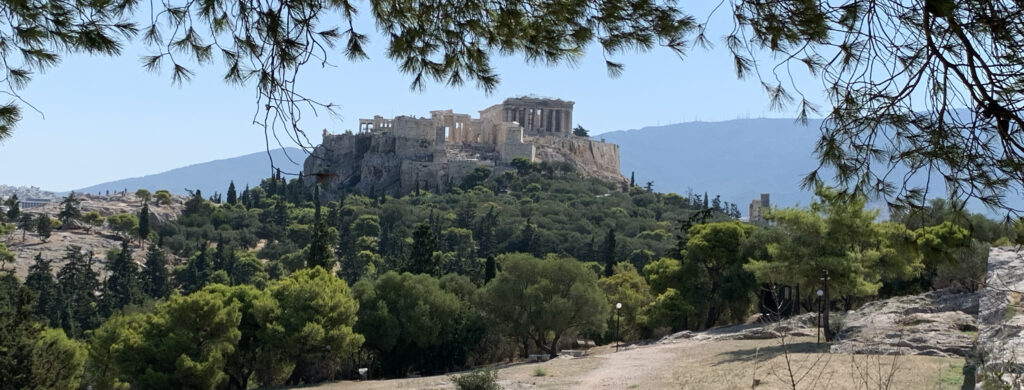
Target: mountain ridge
<point>210,176</point>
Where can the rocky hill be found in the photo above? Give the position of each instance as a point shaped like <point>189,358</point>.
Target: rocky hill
<point>98,240</point>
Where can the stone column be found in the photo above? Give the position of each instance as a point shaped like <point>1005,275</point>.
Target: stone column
<point>558,121</point>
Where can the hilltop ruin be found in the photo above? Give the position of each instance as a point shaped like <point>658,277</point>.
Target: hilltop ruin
<point>396,156</point>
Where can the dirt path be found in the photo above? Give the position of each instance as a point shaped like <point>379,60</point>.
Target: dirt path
<point>693,364</point>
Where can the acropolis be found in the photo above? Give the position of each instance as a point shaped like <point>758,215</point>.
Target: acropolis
<point>395,156</point>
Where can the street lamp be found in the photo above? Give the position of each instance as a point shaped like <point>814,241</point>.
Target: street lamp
<point>820,292</point>
<point>618,306</point>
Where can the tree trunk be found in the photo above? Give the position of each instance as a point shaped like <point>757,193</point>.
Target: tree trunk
<point>554,346</point>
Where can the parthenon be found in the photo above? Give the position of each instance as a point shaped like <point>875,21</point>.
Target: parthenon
<point>537,116</point>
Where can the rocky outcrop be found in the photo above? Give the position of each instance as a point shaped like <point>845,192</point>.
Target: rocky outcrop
<point>590,158</point>
<point>938,323</point>
<point>1001,318</point>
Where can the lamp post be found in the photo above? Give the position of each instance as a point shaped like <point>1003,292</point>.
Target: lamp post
<point>820,292</point>
<point>825,301</point>
<point>617,307</point>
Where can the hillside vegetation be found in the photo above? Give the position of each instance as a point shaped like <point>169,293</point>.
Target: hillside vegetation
<point>276,287</point>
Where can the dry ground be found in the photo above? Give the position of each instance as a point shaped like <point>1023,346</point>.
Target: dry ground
<point>690,364</point>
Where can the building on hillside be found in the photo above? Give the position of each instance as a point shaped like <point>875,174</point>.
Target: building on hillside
<point>30,203</point>
<point>759,210</point>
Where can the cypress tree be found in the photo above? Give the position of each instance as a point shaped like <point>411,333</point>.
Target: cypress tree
<point>609,253</point>
<point>144,223</point>
<point>232,196</point>
<point>42,284</point>
<point>424,243</point>
<point>122,286</point>
<point>155,277</point>
<point>245,198</point>
<point>632,179</point>
<point>491,269</point>
<point>319,247</point>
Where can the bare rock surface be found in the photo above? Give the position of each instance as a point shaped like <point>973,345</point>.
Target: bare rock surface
<point>1001,320</point>
<point>96,240</point>
<point>938,323</point>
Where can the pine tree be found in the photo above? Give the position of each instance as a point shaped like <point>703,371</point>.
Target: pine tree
<point>79,284</point>
<point>43,227</point>
<point>196,272</point>
<point>18,332</point>
<point>122,286</point>
<point>42,284</point>
<point>155,277</point>
<point>632,179</point>
<point>705,200</point>
<point>13,208</point>
<point>609,253</point>
<point>26,223</point>
<point>70,209</point>
<point>232,196</point>
<point>144,223</point>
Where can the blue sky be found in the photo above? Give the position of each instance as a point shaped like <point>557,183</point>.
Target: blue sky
<point>106,118</point>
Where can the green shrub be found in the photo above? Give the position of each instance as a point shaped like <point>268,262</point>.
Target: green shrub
<point>540,371</point>
<point>485,379</point>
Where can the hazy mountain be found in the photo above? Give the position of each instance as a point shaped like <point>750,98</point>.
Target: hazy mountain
<point>210,177</point>
<point>736,159</point>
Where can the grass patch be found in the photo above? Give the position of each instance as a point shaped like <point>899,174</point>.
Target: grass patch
<point>1011,306</point>
<point>952,377</point>
<point>540,371</point>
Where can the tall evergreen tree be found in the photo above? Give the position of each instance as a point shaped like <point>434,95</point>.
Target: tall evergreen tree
<point>424,243</point>
<point>490,269</point>
<point>41,282</point>
<point>232,196</point>
<point>18,331</point>
<point>319,244</point>
<point>26,223</point>
<point>245,198</point>
<point>196,272</point>
<point>609,253</point>
<point>155,277</point>
<point>122,286</point>
<point>43,227</point>
<point>79,284</point>
<point>70,209</point>
<point>632,179</point>
<point>13,207</point>
<point>144,227</point>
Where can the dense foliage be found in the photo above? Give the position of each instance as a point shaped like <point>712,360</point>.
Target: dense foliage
<point>279,289</point>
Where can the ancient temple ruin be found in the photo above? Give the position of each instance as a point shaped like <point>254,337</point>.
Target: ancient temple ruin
<point>397,155</point>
